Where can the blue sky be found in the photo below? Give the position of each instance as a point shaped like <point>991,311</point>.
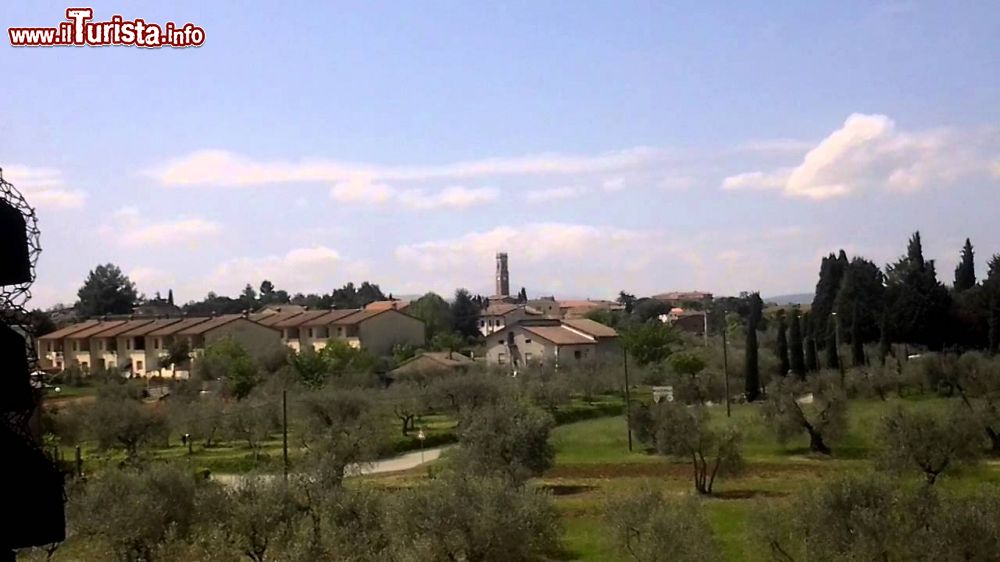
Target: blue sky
<point>604,145</point>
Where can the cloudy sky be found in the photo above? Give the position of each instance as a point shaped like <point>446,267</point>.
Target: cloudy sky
<point>604,145</point>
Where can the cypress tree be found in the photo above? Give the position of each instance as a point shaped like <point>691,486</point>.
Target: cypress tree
<point>884,344</point>
<point>170,297</point>
<point>796,359</point>
<point>965,272</point>
<point>832,359</point>
<point>857,345</point>
<point>831,273</point>
<point>809,339</point>
<point>781,348</point>
<point>752,365</point>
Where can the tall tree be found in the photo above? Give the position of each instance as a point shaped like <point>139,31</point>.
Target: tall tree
<point>831,272</point>
<point>435,313</point>
<point>781,346</point>
<point>464,314</point>
<point>861,294</point>
<point>627,300</point>
<point>965,272</point>
<point>248,298</point>
<point>796,357</point>
<point>992,287</point>
<point>832,352</point>
<point>918,303</point>
<point>812,353</point>
<point>170,297</point>
<point>106,291</point>
<point>752,369</point>
<point>522,295</point>
<point>857,343</point>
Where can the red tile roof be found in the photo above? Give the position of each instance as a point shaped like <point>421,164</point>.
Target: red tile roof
<point>300,319</point>
<point>330,317</point>
<point>272,318</point>
<point>174,327</point>
<point>151,327</point>
<point>95,330</point>
<point>591,327</point>
<point>211,324</point>
<point>558,335</point>
<point>119,330</point>
<point>71,329</point>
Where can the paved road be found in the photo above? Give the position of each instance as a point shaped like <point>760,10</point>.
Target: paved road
<point>395,464</point>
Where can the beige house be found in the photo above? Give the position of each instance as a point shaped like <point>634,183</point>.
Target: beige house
<point>135,346</point>
<point>497,316</point>
<point>53,351</point>
<point>374,330</point>
<point>139,350</point>
<point>550,342</point>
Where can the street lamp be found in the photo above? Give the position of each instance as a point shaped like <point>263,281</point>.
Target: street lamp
<point>421,436</point>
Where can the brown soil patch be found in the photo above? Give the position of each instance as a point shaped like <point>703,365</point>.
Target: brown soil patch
<point>748,494</point>
<point>674,470</point>
<point>567,489</point>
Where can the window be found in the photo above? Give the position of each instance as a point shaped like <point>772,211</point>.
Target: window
<point>501,359</point>
<point>138,365</point>
<point>156,343</point>
<point>577,354</point>
<point>128,343</point>
<point>76,346</point>
<point>311,332</point>
<point>85,366</point>
<point>527,341</point>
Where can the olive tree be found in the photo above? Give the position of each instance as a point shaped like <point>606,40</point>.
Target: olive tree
<point>136,513</point>
<point>929,442</point>
<point>253,421</point>
<point>508,438</point>
<point>482,518</point>
<point>649,527</point>
<point>340,428</point>
<point>118,420</point>
<point>869,517</point>
<point>687,432</point>
<point>258,514</point>
<point>817,407</point>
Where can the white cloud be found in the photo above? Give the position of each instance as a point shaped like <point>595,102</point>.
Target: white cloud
<point>450,197</point>
<point>359,190</point>
<point>776,146</point>
<point>129,229</point>
<point>869,153</point>
<point>551,194</point>
<point>306,269</point>
<point>224,168</point>
<point>44,188</point>
<point>613,185</point>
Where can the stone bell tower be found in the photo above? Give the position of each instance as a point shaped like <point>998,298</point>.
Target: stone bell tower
<point>503,276</point>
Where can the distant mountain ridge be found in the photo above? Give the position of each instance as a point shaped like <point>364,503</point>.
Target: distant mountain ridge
<point>797,298</point>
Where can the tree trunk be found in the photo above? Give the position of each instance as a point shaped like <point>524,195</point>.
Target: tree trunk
<point>994,439</point>
<point>816,443</point>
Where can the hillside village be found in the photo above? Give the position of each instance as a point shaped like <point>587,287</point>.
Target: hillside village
<point>517,333</point>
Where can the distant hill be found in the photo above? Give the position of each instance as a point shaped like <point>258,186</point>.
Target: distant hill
<point>798,298</point>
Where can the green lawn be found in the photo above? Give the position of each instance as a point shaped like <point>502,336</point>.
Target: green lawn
<point>593,463</point>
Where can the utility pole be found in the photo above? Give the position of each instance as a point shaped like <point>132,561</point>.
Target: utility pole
<point>836,342</point>
<point>725,364</point>
<point>628,400</point>
<point>705,318</point>
<point>284,430</point>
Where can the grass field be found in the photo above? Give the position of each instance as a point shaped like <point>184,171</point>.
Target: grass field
<point>593,462</point>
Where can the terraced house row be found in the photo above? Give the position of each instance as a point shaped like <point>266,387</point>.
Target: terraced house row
<point>135,346</point>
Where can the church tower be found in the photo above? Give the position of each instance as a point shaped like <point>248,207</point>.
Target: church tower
<point>503,276</point>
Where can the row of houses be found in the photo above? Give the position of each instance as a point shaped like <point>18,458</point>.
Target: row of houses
<point>567,342</point>
<point>138,345</point>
